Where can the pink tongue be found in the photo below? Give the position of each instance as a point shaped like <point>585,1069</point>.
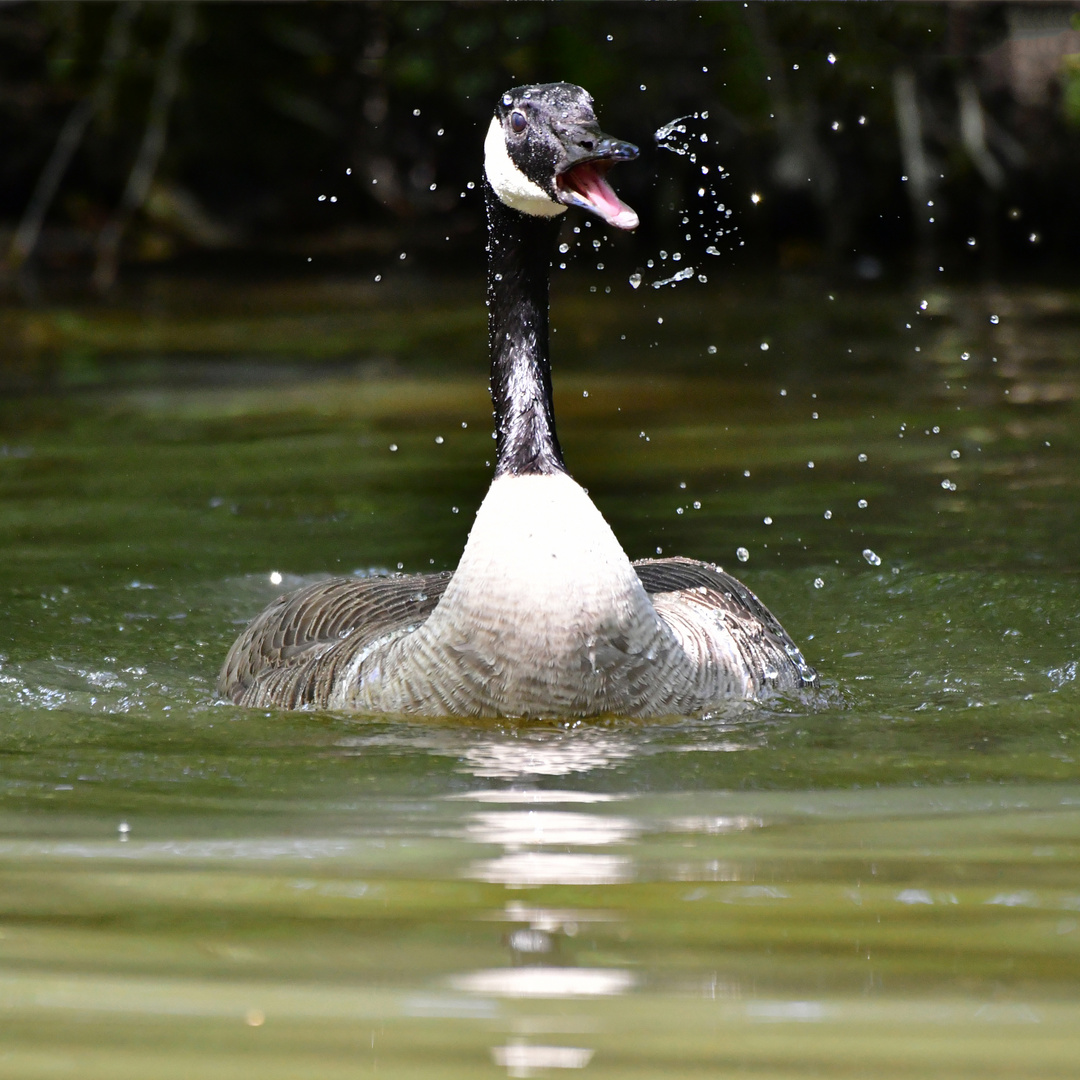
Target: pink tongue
<point>593,187</point>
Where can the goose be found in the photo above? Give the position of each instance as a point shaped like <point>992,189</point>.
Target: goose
<point>545,615</point>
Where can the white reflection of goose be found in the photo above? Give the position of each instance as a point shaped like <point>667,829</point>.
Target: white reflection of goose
<point>546,755</point>
<point>517,828</point>
<point>526,868</point>
<point>546,982</point>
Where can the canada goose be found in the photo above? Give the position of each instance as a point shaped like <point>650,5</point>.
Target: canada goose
<point>545,615</point>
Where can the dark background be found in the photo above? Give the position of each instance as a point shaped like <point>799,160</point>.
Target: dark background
<point>209,131</point>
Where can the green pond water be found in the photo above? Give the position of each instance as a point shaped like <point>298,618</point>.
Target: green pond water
<point>880,880</point>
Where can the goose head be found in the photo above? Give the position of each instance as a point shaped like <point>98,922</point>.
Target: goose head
<point>545,151</point>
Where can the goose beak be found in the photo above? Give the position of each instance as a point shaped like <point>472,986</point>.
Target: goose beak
<point>581,180</point>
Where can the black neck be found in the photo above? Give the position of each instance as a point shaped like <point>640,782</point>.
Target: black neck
<point>519,265</point>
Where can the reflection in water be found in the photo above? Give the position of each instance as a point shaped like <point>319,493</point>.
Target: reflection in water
<point>551,920</point>
<point>544,796</point>
<point>511,755</point>
<point>524,868</point>
<point>517,828</point>
<point>521,1059</point>
<point>546,982</point>
<point>715,825</point>
<point>548,754</point>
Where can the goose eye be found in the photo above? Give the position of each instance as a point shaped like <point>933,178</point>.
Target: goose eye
<point>518,123</point>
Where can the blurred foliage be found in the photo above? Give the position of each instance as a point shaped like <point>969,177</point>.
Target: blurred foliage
<point>1070,97</point>
<point>279,100</point>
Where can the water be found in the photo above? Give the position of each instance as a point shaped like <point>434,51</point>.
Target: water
<point>883,881</point>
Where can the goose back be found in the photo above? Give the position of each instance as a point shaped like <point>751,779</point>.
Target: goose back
<point>295,652</point>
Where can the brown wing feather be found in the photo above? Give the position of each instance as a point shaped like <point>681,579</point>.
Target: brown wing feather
<point>289,654</point>
<point>276,660</point>
<point>762,642</point>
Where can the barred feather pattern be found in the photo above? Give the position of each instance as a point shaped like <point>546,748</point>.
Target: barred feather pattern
<point>729,646</point>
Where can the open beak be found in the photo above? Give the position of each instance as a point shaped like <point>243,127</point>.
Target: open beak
<point>582,183</point>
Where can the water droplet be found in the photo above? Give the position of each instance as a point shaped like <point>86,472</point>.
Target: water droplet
<point>564,247</point>
<point>948,485</point>
<point>439,440</point>
<point>936,430</point>
<point>809,464</point>
<point>322,198</point>
<point>453,509</point>
<point>965,356</point>
<point>828,515</point>
<point>819,583</point>
<point>831,58</point>
<point>862,457</point>
<point>746,472</point>
<point>678,509</point>
<point>862,504</point>
<point>954,453</point>
<point>697,504</point>
<point>712,249</point>
<point>711,350</point>
<point>971,241</point>
<point>871,557</point>
<point>767,520</point>
<point>393,448</point>
<point>994,319</point>
<point>764,346</point>
<point>924,304</point>
<point>755,198</point>
<point>742,554</point>
<point>275,577</point>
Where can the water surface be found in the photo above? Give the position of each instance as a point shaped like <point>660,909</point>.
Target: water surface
<point>881,880</point>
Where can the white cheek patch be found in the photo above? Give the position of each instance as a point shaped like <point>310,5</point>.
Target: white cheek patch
<point>508,182</point>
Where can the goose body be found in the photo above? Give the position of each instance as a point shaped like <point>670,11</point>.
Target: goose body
<point>545,615</point>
